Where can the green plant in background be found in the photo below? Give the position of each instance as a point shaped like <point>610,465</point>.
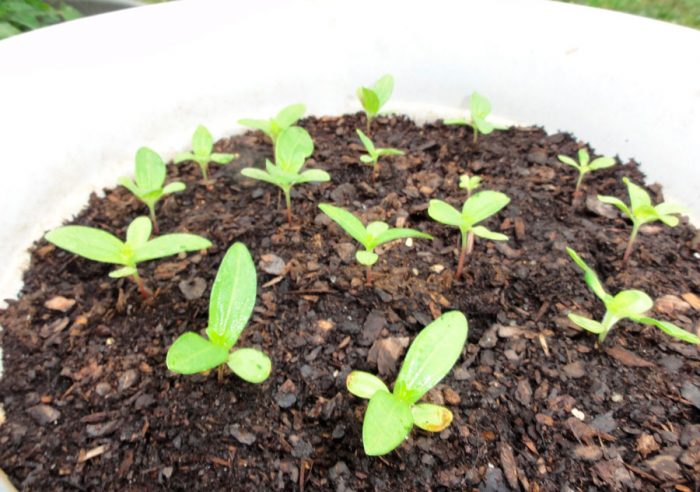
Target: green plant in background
<point>371,158</point>
<point>370,237</point>
<point>98,245</point>
<point>479,109</point>
<point>390,416</point>
<point>17,16</point>
<point>626,304</point>
<point>286,118</point>
<point>230,307</point>
<point>375,97</point>
<point>685,12</point>
<point>641,211</point>
<point>150,178</point>
<point>293,146</point>
<point>202,146</point>
<point>584,166</point>
<point>469,183</point>
<point>476,208</point>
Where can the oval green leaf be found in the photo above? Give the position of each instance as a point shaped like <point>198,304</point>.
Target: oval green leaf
<point>347,221</point>
<point>364,384</point>
<point>367,258</point>
<point>250,365</point>
<point>629,303</point>
<point>292,148</point>
<point>88,242</point>
<point>432,418</point>
<point>150,170</point>
<point>192,353</point>
<point>170,244</point>
<point>444,213</point>
<point>483,205</point>
<point>388,421</point>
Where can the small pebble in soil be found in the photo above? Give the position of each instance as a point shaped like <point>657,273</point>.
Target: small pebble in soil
<point>193,289</point>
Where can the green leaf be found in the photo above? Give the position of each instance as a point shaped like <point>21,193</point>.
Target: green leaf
<point>250,365</point>
<point>376,228</point>
<point>671,329</point>
<point>174,187</point>
<point>432,418</point>
<point>347,221</point>
<point>583,157</point>
<point>259,174</point>
<point>586,324</point>
<point>184,156</point>
<point>482,231</point>
<point>290,115</point>
<point>7,30</point>
<point>483,126</point>
<point>369,100</point>
<point>364,384</point>
<point>88,242</point>
<point>367,159</point>
<point>589,275</point>
<point>482,205</point>
<point>669,220</point>
<point>383,152</point>
<point>138,232</point>
<point>221,158</point>
<point>369,146</point>
<point>388,421</point>
<point>569,161</point>
<point>202,142</point>
<point>192,353</point>
<point>638,195</point>
<point>611,200</point>
<point>431,356</point>
<point>601,163</point>
<point>129,185</point>
<point>313,176</point>
<point>456,121</point>
<point>383,89</point>
<point>629,303</point>
<point>263,125</point>
<point>444,213</point>
<point>170,244</point>
<point>292,148</point>
<point>150,170</point>
<point>400,233</point>
<point>123,272</point>
<point>670,208</point>
<point>232,296</point>
<point>480,106</point>
<point>367,258</point>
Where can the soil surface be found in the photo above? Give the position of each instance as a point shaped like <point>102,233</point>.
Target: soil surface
<point>89,404</point>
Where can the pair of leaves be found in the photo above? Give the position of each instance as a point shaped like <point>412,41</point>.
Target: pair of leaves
<point>584,163</point>
<point>375,234</point>
<point>476,208</point>
<point>390,416</point>
<point>627,304</point>
<point>98,245</point>
<point>479,109</point>
<point>230,306</point>
<point>469,183</point>
<point>375,97</point>
<point>286,118</point>
<point>202,146</point>
<point>374,153</point>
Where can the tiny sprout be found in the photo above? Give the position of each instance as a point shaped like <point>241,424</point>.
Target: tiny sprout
<point>630,304</point>
<point>469,183</point>
<point>372,99</point>
<point>584,165</point>
<point>641,211</point>
<point>390,416</point>
<point>373,153</point>
<point>202,146</point>
<point>370,237</point>
<point>230,307</point>
<point>150,178</point>
<point>476,208</point>
<point>274,126</point>
<point>293,146</point>
<point>479,108</point>
<point>98,245</point>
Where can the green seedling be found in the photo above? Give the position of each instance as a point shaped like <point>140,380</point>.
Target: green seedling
<point>230,307</point>
<point>294,145</point>
<point>626,304</point>
<point>150,178</point>
<point>479,108</point>
<point>370,237</point>
<point>641,211</point>
<point>469,183</point>
<point>584,166</point>
<point>202,146</point>
<point>274,126</point>
<point>98,245</point>
<point>476,208</point>
<point>371,158</point>
<point>373,98</point>
<point>390,416</point>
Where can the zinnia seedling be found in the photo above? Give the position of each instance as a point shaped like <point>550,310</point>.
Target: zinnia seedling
<point>150,178</point>
<point>371,158</point>
<point>274,126</point>
<point>294,145</point>
<point>370,237</point>
<point>479,108</point>
<point>230,307</point>
<point>469,183</point>
<point>98,245</point>
<point>476,208</point>
<point>630,304</point>
<point>202,146</point>
<point>390,416</point>
<point>641,211</point>
<point>584,166</point>
<point>375,97</point>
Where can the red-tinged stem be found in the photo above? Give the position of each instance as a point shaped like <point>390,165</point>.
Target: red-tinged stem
<point>476,134</point>
<point>145,294</point>
<point>154,221</point>
<point>369,275</point>
<point>630,245</point>
<point>375,173</point>
<point>288,201</point>
<point>467,246</point>
<point>220,373</point>
<point>369,124</point>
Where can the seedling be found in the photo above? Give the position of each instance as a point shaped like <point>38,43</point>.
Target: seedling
<point>371,158</point>
<point>98,245</point>
<point>469,183</point>
<point>479,108</point>
<point>476,208</point>
<point>373,98</point>
<point>626,304</point>
<point>150,178</point>
<point>584,166</point>
<point>202,146</point>
<point>390,416</point>
<point>294,145</point>
<point>370,237</point>
<point>274,126</point>
<point>230,307</point>
<point>641,211</point>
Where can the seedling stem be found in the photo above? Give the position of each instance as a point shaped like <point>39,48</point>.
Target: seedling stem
<point>630,244</point>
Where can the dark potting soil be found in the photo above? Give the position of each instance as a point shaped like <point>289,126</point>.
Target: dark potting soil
<point>90,405</point>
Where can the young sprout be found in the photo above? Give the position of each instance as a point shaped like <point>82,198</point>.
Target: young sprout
<point>390,416</point>
<point>230,307</point>
<point>469,183</point>
<point>641,211</point>
<point>370,237</point>
<point>373,98</point>
<point>98,245</point>
<point>584,166</point>
<point>293,146</point>
<point>150,178</point>
<point>476,208</point>
<point>630,304</point>
<point>274,126</point>
<point>479,108</point>
<point>202,146</point>
<point>371,158</point>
